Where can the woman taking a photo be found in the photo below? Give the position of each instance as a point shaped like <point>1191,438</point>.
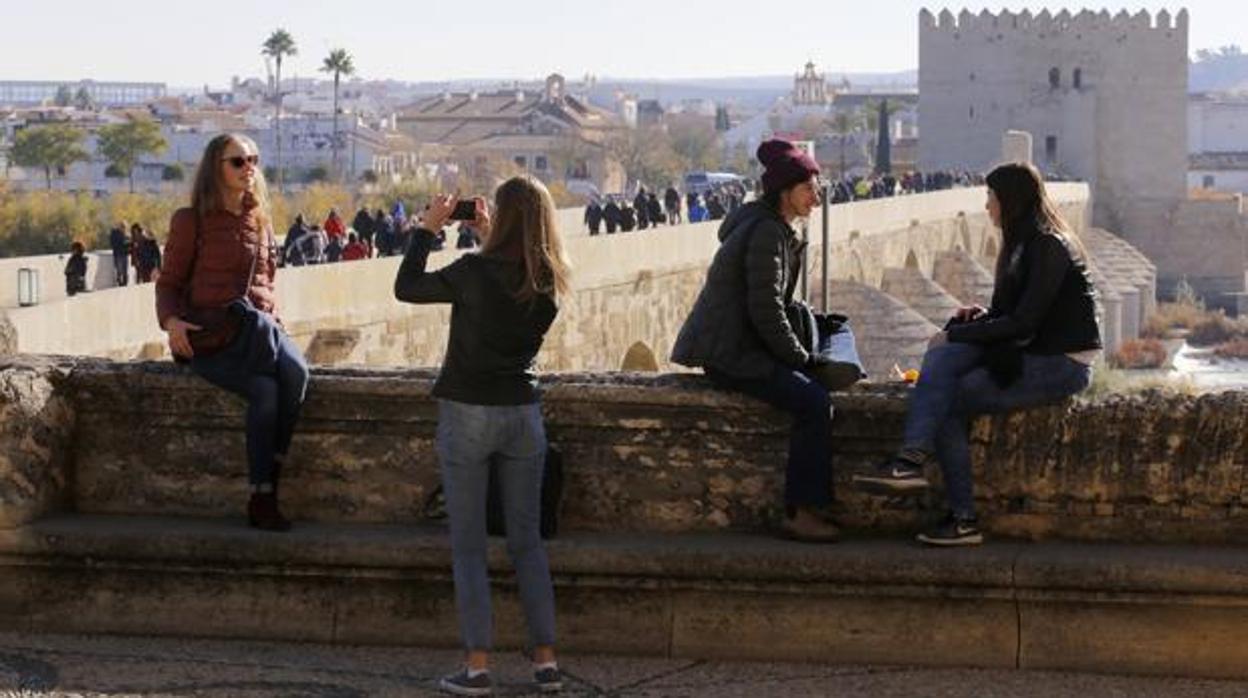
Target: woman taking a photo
<point>503,300</point>
<point>215,299</point>
<point>1035,345</point>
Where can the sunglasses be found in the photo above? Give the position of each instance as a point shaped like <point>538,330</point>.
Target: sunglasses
<point>238,161</point>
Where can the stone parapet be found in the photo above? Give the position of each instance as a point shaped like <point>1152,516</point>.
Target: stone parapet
<point>664,453</point>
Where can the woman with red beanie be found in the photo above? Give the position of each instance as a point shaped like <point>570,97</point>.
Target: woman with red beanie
<point>739,335</point>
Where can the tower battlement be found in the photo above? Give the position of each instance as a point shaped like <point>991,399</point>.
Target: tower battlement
<point>1045,21</point>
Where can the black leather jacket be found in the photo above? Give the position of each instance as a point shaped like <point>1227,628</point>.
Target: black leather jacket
<point>1044,303</point>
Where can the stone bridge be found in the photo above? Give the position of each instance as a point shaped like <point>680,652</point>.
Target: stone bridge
<point>897,267</point>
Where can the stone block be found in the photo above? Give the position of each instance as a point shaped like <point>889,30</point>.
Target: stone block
<point>36,426</point>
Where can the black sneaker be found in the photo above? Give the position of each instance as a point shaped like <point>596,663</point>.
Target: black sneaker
<point>548,679</point>
<point>895,476</point>
<point>461,684</point>
<point>952,531</point>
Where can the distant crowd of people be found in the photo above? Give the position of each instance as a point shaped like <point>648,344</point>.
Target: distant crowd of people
<point>371,234</point>
<point>856,188</point>
<point>619,215</point>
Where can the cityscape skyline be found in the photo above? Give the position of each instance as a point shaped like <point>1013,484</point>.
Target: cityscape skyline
<point>491,40</point>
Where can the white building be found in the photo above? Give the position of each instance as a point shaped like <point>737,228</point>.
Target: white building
<point>1217,142</point>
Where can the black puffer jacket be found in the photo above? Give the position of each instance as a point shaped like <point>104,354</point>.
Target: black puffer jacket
<point>738,325</point>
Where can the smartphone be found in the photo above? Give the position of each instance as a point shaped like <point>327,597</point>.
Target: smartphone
<point>465,210</point>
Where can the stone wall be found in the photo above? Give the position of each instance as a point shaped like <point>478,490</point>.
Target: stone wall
<point>632,291</point>
<point>663,453</point>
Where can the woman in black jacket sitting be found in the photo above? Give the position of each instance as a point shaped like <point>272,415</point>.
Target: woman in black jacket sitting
<point>739,334</point>
<point>1035,345</point>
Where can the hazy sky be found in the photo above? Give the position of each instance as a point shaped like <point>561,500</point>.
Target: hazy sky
<point>191,44</point>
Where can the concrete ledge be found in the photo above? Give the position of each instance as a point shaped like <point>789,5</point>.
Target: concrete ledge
<point>1144,609</point>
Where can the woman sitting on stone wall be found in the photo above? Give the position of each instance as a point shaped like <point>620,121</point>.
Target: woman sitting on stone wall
<point>216,300</point>
<point>503,300</point>
<point>1035,345</point>
<point>738,331</point>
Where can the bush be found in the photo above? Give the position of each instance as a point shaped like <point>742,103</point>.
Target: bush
<point>42,222</point>
<point>1139,353</point>
<point>172,173</point>
<point>1175,316</point>
<point>1235,349</point>
<point>1217,329</point>
<point>318,173</point>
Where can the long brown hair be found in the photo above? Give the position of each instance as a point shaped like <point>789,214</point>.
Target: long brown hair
<point>1027,210</point>
<point>525,229</point>
<point>207,190</point>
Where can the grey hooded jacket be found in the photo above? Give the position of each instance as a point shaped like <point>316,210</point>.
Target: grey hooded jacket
<point>738,325</point>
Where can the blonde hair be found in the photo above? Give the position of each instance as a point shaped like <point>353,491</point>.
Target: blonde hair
<point>525,227</point>
<point>206,191</point>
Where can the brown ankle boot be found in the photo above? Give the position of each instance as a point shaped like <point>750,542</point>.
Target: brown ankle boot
<point>808,527</point>
<point>262,513</point>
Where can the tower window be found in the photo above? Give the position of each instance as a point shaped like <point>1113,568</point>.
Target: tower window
<point>1050,149</point>
<point>1055,78</point>
<point>1076,78</point>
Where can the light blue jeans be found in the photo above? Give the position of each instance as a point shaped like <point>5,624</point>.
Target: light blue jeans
<point>470,437</point>
<point>954,386</point>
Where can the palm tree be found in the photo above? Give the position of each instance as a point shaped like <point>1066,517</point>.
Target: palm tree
<point>339,63</point>
<point>279,45</point>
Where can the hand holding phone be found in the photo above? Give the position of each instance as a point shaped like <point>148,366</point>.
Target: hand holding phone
<point>465,210</point>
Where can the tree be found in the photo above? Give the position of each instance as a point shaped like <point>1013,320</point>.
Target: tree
<point>52,147</point>
<point>843,124</point>
<point>82,99</point>
<point>694,144</point>
<point>316,173</point>
<point>279,45</point>
<point>123,144</point>
<point>646,155</point>
<point>884,144</point>
<point>339,63</point>
<point>64,96</point>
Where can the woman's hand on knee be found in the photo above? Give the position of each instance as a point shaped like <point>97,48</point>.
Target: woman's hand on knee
<point>179,343</point>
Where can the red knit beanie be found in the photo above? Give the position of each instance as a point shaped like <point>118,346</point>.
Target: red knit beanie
<point>784,165</point>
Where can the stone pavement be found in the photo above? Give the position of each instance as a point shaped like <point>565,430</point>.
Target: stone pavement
<point>59,666</point>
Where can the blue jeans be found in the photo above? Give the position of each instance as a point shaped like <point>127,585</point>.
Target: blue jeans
<point>954,386</point>
<point>808,474</point>
<point>273,399</point>
<point>470,437</point>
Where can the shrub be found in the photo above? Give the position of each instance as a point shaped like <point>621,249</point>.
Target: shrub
<point>1174,316</point>
<point>1217,329</point>
<point>1235,349</point>
<point>1139,353</point>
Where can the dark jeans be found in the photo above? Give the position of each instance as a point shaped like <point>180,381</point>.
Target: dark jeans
<point>273,399</point>
<point>808,475</point>
<point>955,386</point>
<point>121,268</point>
